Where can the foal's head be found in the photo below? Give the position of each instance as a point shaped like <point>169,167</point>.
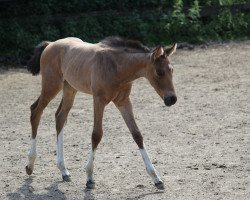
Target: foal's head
<point>160,73</point>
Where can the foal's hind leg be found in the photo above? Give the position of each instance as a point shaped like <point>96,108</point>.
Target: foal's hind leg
<point>61,117</point>
<point>32,151</point>
<point>47,94</point>
<point>125,108</point>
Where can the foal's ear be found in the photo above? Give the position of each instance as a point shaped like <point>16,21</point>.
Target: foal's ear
<point>171,50</point>
<point>157,52</point>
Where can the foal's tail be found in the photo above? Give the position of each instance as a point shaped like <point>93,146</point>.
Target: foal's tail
<point>33,64</point>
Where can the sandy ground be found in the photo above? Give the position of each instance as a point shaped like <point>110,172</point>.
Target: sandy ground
<point>200,146</point>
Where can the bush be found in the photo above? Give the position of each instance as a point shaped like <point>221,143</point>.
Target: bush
<point>25,23</point>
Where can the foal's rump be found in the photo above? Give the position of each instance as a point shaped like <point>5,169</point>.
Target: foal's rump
<point>47,52</point>
<point>54,54</point>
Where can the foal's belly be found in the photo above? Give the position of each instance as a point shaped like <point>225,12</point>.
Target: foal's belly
<point>80,80</point>
<point>80,87</point>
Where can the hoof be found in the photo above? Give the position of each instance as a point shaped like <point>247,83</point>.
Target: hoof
<point>90,184</point>
<point>66,178</point>
<point>28,170</point>
<point>160,185</point>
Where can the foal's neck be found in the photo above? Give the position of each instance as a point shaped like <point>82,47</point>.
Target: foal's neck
<point>133,66</point>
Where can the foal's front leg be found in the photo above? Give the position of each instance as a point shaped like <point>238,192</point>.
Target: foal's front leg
<point>99,105</point>
<point>125,108</point>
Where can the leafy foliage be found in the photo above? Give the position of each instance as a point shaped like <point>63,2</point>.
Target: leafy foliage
<point>25,23</point>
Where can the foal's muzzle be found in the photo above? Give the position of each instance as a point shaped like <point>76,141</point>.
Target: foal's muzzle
<point>170,99</point>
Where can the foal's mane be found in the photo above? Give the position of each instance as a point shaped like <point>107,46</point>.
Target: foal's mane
<point>118,42</point>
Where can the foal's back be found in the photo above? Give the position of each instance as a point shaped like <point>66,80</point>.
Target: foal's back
<point>72,60</point>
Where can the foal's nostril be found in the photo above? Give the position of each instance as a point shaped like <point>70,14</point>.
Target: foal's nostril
<point>170,100</point>
<point>173,99</point>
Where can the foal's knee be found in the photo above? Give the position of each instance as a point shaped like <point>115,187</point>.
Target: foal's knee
<point>138,138</point>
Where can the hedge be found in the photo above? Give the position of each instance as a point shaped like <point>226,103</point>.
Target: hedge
<point>25,23</point>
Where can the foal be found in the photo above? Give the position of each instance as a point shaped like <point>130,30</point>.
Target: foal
<point>105,70</point>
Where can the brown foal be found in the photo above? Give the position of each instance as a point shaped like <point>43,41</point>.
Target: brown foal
<point>105,70</point>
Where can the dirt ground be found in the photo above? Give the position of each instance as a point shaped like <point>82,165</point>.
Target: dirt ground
<point>200,146</point>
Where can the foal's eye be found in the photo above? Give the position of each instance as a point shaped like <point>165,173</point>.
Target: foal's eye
<point>160,72</point>
<point>171,68</point>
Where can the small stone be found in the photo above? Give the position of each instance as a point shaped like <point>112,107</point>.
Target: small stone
<point>222,166</point>
<point>31,189</point>
<point>247,167</point>
<point>154,161</point>
<point>140,186</point>
<point>207,167</point>
<point>193,167</point>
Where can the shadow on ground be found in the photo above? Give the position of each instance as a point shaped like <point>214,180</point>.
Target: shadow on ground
<point>26,192</point>
<point>88,195</point>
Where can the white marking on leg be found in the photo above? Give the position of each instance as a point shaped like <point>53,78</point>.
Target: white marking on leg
<point>149,166</point>
<point>60,155</point>
<point>90,165</point>
<point>32,154</point>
